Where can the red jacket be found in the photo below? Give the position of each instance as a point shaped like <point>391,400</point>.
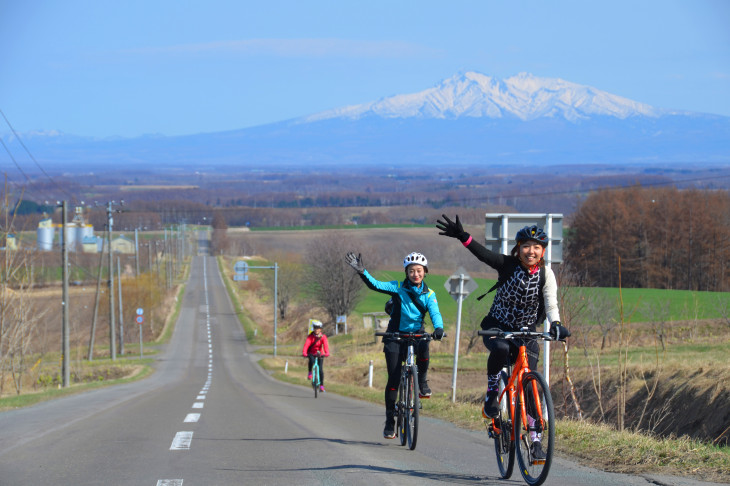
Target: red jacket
<point>312,345</point>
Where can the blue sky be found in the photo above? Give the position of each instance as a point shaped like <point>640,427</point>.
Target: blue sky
<point>103,68</point>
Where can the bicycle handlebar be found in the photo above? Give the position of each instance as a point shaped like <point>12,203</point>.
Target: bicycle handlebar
<point>407,335</point>
<point>498,333</point>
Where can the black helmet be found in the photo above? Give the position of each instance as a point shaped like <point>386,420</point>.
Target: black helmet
<point>532,233</point>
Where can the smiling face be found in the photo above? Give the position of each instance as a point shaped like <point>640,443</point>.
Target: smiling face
<point>415,274</point>
<point>531,252</point>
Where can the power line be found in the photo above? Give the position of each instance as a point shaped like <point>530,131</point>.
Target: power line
<point>20,140</point>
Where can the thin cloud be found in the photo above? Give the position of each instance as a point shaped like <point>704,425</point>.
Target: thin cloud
<point>293,48</point>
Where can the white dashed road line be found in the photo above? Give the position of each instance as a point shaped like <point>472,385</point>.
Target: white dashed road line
<point>184,439</point>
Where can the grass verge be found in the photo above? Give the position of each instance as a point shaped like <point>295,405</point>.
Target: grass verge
<point>138,369</point>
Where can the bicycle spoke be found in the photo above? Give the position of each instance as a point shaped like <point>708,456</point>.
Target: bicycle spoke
<point>412,411</point>
<point>536,430</point>
<point>500,430</point>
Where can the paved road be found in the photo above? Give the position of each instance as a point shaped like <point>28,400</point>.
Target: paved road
<point>210,416</point>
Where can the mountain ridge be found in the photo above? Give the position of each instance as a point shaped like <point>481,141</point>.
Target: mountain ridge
<point>467,119</point>
<point>524,96</point>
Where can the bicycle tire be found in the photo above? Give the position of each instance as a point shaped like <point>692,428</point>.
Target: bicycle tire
<point>534,471</point>
<point>315,378</point>
<point>412,408</point>
<point>501,432</point>
<point>401,404</point>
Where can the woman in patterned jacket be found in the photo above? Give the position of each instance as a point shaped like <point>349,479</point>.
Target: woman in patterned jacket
<point>527,293</point>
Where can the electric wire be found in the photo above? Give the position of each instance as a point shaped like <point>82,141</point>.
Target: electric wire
<point>27,151</point>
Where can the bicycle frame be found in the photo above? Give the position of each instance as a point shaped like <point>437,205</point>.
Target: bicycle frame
<point>514,385</point>
<point>315,374</point>
<point>408,402</point>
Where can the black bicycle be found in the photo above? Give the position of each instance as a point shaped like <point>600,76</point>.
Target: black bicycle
<point>408,404</point>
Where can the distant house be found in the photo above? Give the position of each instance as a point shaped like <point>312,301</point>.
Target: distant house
<point>90,244</point>
<point>122,244</point>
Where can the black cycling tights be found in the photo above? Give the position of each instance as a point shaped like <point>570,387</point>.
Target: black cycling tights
<point>503,352</point>
<point>395,353</point>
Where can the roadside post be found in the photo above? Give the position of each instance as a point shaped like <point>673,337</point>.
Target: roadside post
<point>459,285</point>
<point>140,321</point>
<point>340,320</point>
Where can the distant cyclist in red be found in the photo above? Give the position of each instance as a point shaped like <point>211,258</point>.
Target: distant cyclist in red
<point>316,347</point>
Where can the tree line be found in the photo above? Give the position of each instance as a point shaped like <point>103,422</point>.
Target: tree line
<point>652,238</point>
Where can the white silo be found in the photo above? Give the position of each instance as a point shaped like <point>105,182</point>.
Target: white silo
<point>84,231</point>
<point>69,234</point>
<point>45,234</point>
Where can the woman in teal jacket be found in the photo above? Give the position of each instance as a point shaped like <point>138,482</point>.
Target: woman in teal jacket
<point>411,300</point>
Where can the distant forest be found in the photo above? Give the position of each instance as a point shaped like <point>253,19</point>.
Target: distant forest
<point>668,228</point>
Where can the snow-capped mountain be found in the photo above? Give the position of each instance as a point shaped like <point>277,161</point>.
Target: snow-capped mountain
<point>524,97</point>
<point>468,119</point>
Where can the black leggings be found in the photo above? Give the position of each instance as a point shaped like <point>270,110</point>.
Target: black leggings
<point>321,366</point>
<point>395,354</point>
<point>503,352</point>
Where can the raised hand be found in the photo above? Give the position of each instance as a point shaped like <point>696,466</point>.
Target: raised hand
<point>452,229</point>
<point>355,262</point>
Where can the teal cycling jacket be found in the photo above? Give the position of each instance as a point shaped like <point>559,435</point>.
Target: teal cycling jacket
<point>406,316</point>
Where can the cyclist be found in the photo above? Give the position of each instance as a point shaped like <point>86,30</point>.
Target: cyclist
<point>412,299</point>
<point>526,293</point>
<point>316,347</point>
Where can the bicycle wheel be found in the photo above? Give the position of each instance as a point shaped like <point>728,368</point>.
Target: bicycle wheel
<point>315,378</point>
<point>500,430</point>
<point>538,433</point>
<point>401,411</point>
<point>412,408</point>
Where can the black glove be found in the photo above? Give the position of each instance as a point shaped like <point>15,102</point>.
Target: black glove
<point>355,262</point>
<point>452,229</point>
<point>438,333</point>
<point>558,332</point>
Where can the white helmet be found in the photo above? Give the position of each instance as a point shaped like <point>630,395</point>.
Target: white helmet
<point>316,324</point>
<point>415,258</point>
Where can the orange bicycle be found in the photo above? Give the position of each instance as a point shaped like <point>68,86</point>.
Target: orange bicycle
<point>526,421</point>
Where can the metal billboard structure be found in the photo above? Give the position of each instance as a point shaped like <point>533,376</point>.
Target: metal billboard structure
<point>500,230</point>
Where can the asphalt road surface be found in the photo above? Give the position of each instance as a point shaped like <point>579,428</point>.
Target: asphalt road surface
<point>210,416</point>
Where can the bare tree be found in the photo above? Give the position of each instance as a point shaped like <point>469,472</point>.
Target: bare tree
<point>219,241</point>
<point>289,282</point>
<point>335,286</point>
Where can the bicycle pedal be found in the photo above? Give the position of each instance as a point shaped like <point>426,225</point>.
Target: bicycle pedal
<point>538,462</point>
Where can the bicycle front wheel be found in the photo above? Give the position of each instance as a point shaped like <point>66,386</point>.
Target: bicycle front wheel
<point>500,430</point>
<point>535,435</point>
<point>412,408</point>
<point>401,411</point>
<point>315,379</point>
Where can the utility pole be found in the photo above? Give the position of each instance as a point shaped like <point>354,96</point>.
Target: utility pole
<point>112,328</point>
<point>96,303</point>
<point>136,252</point>
<point>121,321</point>
<point>66,348</point>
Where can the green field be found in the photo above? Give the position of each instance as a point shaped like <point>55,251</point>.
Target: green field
<point>682,304</point>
